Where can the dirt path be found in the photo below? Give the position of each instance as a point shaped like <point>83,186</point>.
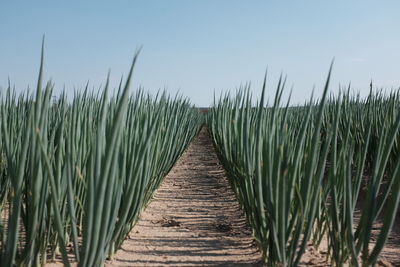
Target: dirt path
<point>193,219</point>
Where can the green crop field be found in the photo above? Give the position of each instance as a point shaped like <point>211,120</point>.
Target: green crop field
<point>75,174</point>
<point>78,173</point>
<point>301,173</point>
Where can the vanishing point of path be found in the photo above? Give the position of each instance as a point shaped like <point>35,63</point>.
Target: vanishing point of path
<point>194,218</point>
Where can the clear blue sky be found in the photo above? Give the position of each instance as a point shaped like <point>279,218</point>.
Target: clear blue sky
<point>198,47</point>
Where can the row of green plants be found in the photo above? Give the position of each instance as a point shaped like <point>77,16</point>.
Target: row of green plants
<point>301,173</point>
<point>76,173</point>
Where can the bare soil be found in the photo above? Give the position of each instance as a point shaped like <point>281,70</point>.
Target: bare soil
<point>194,218</point>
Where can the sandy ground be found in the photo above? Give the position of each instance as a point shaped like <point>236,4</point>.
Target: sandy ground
<point>193,220</point>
